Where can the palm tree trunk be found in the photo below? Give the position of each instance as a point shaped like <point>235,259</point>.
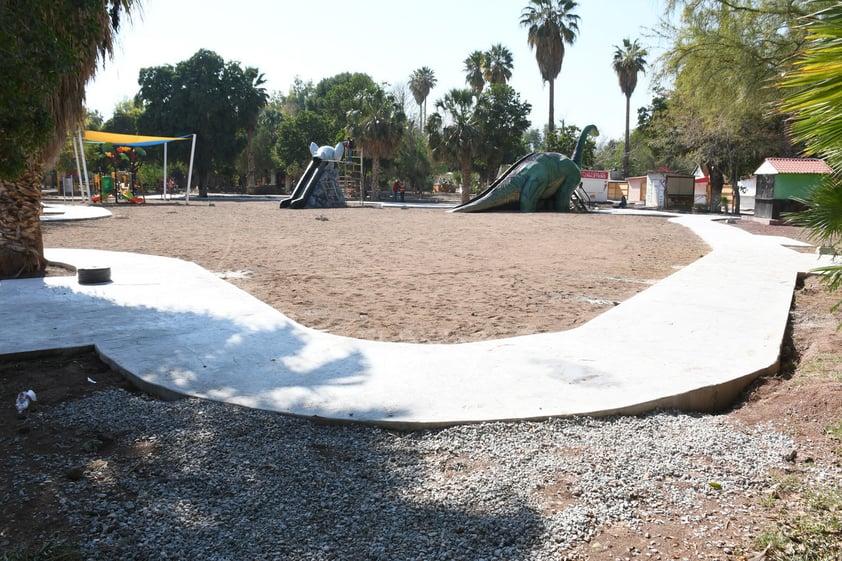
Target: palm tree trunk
<point>250,183</point>
<point>466,179</point>
<point>375,178</point>
<point>21,243</point>
<point>626,145</point>
<point>551,124</point>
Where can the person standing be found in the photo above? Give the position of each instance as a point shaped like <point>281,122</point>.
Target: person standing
<point>395,188</point>
<point>403,192</point>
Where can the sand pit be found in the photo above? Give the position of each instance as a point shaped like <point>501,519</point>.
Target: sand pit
<point>413,275</point>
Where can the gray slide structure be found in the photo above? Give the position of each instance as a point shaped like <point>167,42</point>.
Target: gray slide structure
<point>305,185</point>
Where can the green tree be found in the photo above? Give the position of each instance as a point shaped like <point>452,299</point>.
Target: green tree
<point>291,150</point>
<point>124,119</point>
<point>48,52</point>
<point>421,82</point>
<point>336,96</point>
<point>628,61</point>
<point>564,140</point>
<point>454,135</point>
<point>252,100</point>
<point>503,120</point>
<point>378,125</point>
<point>474,75</point>
<point>412,161</point>
<point>551,24</point>
<point>723,62</point>
<point>497,66</point>
<point>203,95</point>
<point>812,101</point>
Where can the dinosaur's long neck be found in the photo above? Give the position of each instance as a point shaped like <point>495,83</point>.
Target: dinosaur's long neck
<point>580,146</point>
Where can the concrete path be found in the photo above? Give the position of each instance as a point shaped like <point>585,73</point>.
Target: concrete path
<point>691,342</point>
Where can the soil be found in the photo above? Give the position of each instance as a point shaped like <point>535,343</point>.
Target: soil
<point>429,276</point>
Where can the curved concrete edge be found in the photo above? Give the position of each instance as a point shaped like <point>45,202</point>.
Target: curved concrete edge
<point>178,330</point>
<point>52,212</point>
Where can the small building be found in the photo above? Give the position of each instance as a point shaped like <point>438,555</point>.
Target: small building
<point>781,180</point>
<point>595,184</point>
<point>662,189</point>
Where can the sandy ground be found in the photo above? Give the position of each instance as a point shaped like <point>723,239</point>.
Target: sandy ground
<point>415,275</point>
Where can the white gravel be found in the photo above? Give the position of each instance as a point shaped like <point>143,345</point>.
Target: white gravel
<point>212,481</point>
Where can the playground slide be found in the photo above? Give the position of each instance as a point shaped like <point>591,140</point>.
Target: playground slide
<point>306,184</point>
<point>497,182</point>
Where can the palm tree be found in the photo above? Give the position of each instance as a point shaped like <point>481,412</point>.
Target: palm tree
<point>378,125</point>
<point>628,61</point>
<point>812,98</point>
<point>474,75</point>
<point>551,25</point>
<point>498,64</point>
<point>254,101</point>
<point>420,83</point>
<point>48,52</point>
<point>457,140</point>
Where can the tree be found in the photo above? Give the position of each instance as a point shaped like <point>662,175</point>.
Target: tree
<point>628,61</point>
<point>294,136</point>
<point>252,101</point>
<point>723,63</point>
<point>497,65</point>
<point>420,83</point>
<point>551,25</point>
<point>503,120</point>
<point>378,125</point>
<point>812,99</point>
<point>203,95</point>
<point>48,52</point>
<point>474,75</point>
<point>457,139</point>
<point>565,139</point>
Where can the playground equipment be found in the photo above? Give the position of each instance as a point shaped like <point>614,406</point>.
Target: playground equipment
<point>319,186</point>
<point>539,179</point>
<point>131,140</point>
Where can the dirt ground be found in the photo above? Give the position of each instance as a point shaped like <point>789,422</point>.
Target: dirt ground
<point>425,275</point>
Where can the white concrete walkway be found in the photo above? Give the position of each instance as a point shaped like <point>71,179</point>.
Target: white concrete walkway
<point>687,342</point>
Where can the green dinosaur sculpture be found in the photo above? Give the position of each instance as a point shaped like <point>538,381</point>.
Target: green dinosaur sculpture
<point>537,177</point>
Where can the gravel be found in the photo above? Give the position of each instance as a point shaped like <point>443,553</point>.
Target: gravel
<point>205,480</point>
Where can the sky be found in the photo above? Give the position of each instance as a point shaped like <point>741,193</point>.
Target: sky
<point>387,40</point>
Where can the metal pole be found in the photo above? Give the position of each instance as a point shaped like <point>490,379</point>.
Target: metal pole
<point>87,183</point>
<point>190,171</point>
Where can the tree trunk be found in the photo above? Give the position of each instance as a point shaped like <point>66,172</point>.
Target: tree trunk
<point>250,183</point>
<point>717,180</point>
<point>466,179</point>
<point>551,124</point>
<point>626,146</point>
<point>21,243</point>
<point>375,179</point>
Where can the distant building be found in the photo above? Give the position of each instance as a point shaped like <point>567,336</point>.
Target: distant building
<point>781,180</point>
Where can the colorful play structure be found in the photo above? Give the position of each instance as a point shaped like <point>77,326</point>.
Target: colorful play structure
<point>109,184</point>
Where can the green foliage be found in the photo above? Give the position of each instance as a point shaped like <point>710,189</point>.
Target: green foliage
<point>812,99</point>
<point>722,63</point>
<point>502,119</point>
<point>291,149</point>
<point>48,51</point>
<point>205,95</point>
<point>550,24</point>
<point>564,141</point>
<point>454,133</point>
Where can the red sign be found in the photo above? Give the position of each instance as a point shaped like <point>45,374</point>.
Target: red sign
<point>591,174</point>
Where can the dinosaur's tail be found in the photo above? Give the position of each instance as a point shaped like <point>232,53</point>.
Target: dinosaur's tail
<point>580,146</point>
